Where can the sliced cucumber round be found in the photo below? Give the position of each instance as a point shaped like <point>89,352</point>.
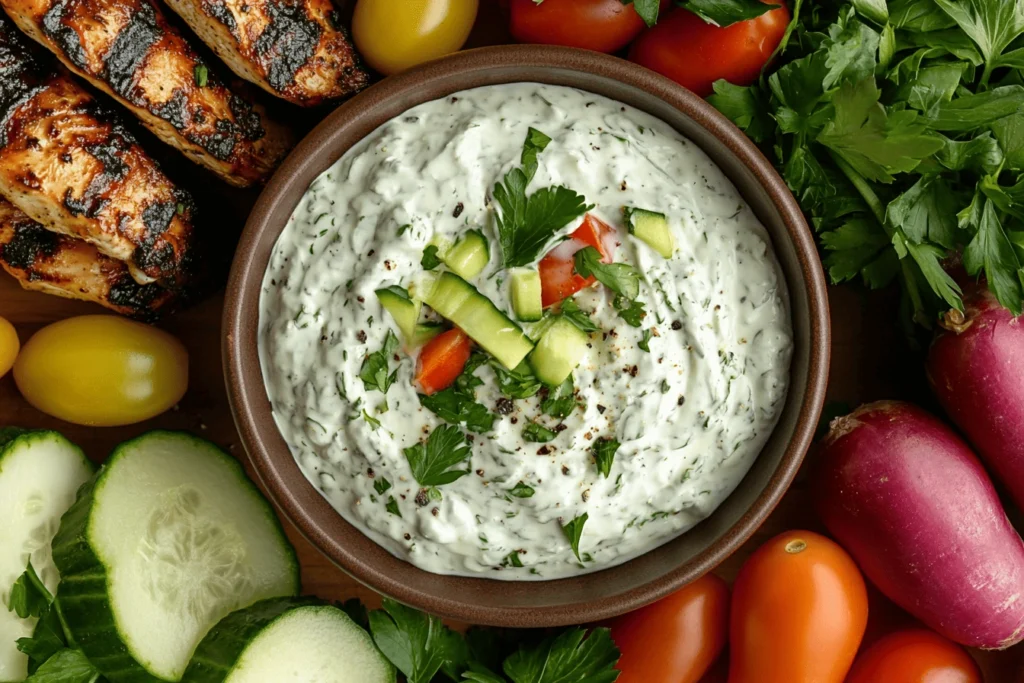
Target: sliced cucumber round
<point>288,640</point>
<point>168,539</point>
<point>39,474</point>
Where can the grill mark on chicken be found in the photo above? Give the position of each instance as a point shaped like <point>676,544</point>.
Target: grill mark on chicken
<point>294,49</point>
<point>69,164</point>
<point>127,49</point>
<point>56,264</point>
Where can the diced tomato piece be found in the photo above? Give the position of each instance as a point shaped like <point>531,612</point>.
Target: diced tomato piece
<point>558,278</point>
<point>441,361</point>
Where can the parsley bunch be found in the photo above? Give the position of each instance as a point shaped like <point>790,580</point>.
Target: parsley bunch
<point>899,127</point>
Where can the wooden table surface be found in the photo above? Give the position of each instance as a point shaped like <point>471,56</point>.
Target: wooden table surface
<point>870,360</point>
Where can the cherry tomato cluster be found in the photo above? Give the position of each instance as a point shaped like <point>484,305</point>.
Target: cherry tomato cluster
<point>798,613</point>
<point>681,46</point>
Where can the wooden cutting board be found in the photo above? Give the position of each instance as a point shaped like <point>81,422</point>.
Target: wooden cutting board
<point>870,361</point>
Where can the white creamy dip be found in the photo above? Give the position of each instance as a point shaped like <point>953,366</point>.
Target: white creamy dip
<point>691,414</point>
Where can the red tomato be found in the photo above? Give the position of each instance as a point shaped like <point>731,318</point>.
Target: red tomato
<point>442,360</point>
<point>558,278</point>
<point>601,25</point>
<point>799,610</point>
<point>916,656</point>
<point>678,638</point>
<point>695,54</point>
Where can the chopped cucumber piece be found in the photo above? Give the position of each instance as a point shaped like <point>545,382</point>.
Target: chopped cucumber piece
<point>526,298</point>
<point>457,300</point>
<point>288,640</point>
<point>469,256</point>
<point>558,352</point>
<point>425,332</point>
<point>652,229</point>
<point>403,309</point>
<point>39,474</point>
<point>167,540</point>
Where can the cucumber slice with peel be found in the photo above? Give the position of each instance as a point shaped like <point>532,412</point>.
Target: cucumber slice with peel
<point>425,332</point>
<point>559,351</point>
<point>164,542</point>
<point>404,310</point>
<point>288,640</point>
<point>39,474</point>
<point>527,301</point>
<point>469,256</point>
<point>652,229</point>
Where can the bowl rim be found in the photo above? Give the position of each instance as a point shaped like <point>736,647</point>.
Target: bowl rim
<point>247,394</point>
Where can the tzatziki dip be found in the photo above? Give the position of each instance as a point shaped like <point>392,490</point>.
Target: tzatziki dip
<point>524,332</point>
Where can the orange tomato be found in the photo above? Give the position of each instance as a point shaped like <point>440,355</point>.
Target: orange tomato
<point>558,276</point>
<point>799,611</point>
<point>442,360</point>
<point>678,638</point>
<point>916,656</point>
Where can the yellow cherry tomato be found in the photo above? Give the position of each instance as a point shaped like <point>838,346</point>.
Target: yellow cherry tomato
<point>102,371</point>
<point>9,346</point>
<point>393,35</point>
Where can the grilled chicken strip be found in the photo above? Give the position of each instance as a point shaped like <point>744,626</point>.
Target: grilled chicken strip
<point>66,162</point>
<point>127,49</point>
<point>56,264</point>
<point>293,49</point>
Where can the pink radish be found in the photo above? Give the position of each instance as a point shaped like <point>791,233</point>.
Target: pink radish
<point>976,369</point>
<point>907,498</point>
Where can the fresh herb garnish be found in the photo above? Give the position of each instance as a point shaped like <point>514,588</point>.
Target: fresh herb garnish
<point>526,224</point>
<point>621,278</point>
<point>392,507</point>
<point>521,490</point>
<point>431,462</point>
<point>561,400</point>
<point>371,420</point>
<point>520,382</point>
<point>535,433</point>
<point>632,312</point>
<point>645,342</point>
<point>726,12</point>
<point>574,531</point>
<point>569,657</point>
<point>885,135</point>
<point>512,560</point>
<point>604,454</point>
<point>572,312</point>
<point>380,485</point>
<point>29,597</point>
<point>201,75</point>
<point>430,258</point>
<point>419,645</point>
<point>457,404</point>
<point>374,371</point>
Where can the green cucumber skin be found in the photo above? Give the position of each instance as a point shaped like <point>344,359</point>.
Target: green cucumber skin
<point>219,651</point>
<point>9,434</point>
<point>82,594</point>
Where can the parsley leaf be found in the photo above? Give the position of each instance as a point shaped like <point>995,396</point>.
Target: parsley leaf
<point>457,404</point>
<point>561,400</point>
<point>926,212</point>
<point>431,462</point>
<point>430,258</point>
<point>392,507</point>
<point>419,645</point>
<point>455,407</point>
<point>29,597</point>
<point>577,316</point>
<point>647,9</point>
<point>631,311</point>
<point>512,560</point>
<point>645,342</point>
<point>374,371</point>
<point>726,12</point>
<point>604,454</point>
<point>535,433</point>
<point>992,251</point>
<point>567,658</point>
<point>621,278</point>
<point>519,382</point>
<point>521,490</point>
<point>381,485</point>
<point>745,106</point>
<point>991,24</point>
<point>47,640</point>
<point>66,666</point>
<point>527,223</point>
<point>574,531</point>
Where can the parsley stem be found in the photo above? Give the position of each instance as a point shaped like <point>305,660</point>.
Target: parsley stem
<point>875,204</point>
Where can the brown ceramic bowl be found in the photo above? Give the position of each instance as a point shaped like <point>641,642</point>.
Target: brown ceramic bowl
<point>605,593</point>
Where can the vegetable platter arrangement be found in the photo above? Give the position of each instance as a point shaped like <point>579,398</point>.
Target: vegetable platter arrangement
<point>134,547</point>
